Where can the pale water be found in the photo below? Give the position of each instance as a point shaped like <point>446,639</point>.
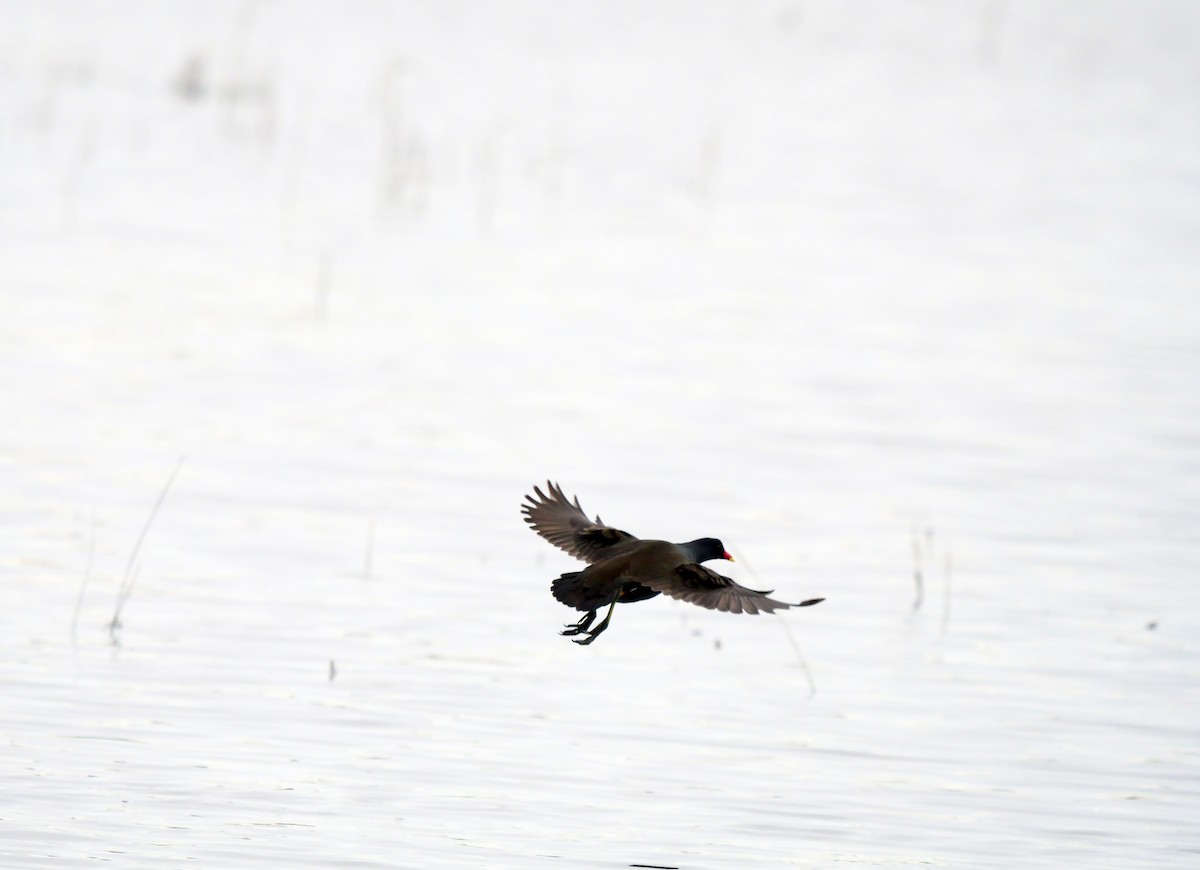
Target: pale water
<point>862,289</point>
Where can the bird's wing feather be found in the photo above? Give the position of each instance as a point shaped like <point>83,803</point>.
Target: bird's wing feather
<point>566,526</point>
<point>702,586</point>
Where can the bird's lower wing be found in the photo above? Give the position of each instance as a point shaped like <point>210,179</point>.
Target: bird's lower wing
<point>706,588</point>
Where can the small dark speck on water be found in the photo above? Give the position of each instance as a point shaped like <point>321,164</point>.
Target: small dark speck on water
<point>655,866</point>
<point>1151,625</point>
<point>717,643</point>
<point>332,670</point>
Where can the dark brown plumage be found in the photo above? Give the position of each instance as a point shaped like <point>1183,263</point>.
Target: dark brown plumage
<point>622,568</point>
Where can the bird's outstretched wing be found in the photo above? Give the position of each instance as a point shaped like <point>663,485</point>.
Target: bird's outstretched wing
<point>566,526</point>
<point>699,585</point>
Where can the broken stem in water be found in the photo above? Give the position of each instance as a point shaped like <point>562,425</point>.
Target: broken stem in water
<point>130,575</point>
<point>918,570</point>
<point>812,686</point>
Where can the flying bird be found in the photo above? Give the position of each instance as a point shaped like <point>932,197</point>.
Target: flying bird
<point>622,568</point>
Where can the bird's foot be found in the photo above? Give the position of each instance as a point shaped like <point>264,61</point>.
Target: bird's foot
<point>582,626</point>
<point>594,633</point>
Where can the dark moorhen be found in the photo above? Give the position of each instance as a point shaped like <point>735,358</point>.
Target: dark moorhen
<point>622,568</point>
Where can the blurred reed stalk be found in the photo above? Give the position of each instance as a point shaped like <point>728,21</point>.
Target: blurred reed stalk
<point>131,569</point>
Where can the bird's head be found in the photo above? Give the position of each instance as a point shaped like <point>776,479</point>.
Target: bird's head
<point>708,548</point>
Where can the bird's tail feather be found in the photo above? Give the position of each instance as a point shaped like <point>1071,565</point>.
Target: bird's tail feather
<point>570,592</point>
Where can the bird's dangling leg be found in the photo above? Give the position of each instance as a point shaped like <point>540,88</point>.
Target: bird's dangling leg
<point>599,629</point>
<point>581,626</point>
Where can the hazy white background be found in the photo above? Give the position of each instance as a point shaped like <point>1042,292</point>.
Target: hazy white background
<point>820,279</point>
